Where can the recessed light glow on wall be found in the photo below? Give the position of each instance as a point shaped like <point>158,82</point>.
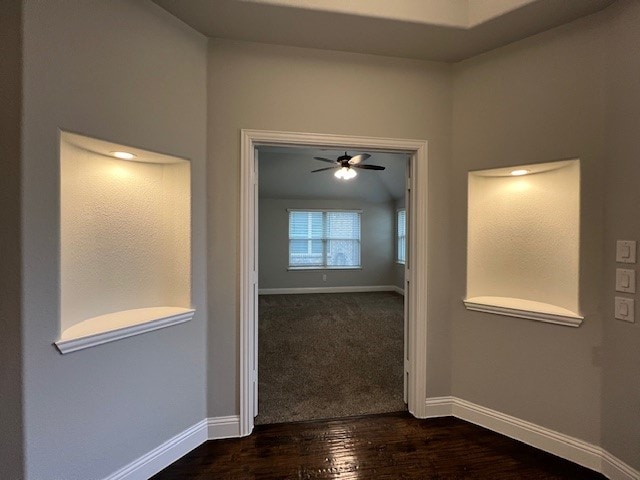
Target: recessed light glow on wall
<point>123,155</point>
<point>121,172</point>
<point>519,186</point>
<point>519,172</point>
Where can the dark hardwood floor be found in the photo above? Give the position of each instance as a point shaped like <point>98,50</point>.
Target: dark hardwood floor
<point>387,446</point>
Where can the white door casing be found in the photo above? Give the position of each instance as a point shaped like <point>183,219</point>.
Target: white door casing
<point>415,279</point>
<point>254,311</point>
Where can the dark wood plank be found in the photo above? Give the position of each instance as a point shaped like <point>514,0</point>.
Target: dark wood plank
<point>387,446</point>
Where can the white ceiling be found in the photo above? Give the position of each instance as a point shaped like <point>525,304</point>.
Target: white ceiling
<point>451,13</point>
<point>440,30</point>
<point>286,173</point>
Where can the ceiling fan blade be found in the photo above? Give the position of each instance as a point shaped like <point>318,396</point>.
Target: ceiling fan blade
<point>323,169</point>
<point>358,158</point>
<point>322,159</point>
<point>369,167</point>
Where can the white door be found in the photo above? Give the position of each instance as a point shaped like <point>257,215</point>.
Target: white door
<point>407,259</point>
<point>255,285</point>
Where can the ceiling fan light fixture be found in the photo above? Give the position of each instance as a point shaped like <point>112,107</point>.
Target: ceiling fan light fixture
<point>345,173</point>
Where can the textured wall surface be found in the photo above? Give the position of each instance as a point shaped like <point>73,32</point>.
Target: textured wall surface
<point>523,236</point>
<point>124,233</point>
<point>290,89</point>
<point>126,71</point>
<point>537,100</point>
<point>11,415</point>
<point>376,254</point>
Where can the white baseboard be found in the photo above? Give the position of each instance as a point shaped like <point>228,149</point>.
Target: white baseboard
<point>398,290</point>
<point>150,463</point>
<point>556,443</point>
<point>564,446</point>
<point>615,469</point>
<point>300,290</point>
<point>438,407</point>
<point>164,455</point>
<point>223,427</point>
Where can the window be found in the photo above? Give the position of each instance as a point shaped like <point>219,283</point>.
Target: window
<point>401,235</point>
<point>324,239</point>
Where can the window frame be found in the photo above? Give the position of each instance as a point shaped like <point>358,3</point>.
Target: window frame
<point>324,240</point>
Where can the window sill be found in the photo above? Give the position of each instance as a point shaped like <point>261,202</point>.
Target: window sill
<point>517,307</point>
<point>306,269</point>
<point>115,326</point>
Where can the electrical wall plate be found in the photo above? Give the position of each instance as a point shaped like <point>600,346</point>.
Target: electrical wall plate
<point>626,251</point>
<point>625,280</point>
<point>625,309</point>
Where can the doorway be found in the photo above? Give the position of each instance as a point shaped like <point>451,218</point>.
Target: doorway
<point>415,278</point>
<point>331,274</point>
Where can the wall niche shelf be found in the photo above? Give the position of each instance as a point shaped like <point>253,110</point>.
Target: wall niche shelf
<point>114,326</point>
<point>523,242</point>
<point>520,308</point>
<point>125,231</point>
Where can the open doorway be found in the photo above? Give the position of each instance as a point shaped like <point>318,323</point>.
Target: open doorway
<point>415,278</point>
<point>331,275</point>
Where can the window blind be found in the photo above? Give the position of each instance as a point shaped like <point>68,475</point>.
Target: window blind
<point>401,236</point>
<point>324,239</point>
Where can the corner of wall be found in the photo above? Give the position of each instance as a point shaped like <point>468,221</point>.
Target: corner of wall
<point>12,464</point>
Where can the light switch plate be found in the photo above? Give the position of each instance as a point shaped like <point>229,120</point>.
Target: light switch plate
<point>625,280</point>
<point>625,309</point>
<point>626,251</point>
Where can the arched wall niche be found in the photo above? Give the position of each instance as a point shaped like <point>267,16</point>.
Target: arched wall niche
<point>125,236</point>
<point>523,251</point>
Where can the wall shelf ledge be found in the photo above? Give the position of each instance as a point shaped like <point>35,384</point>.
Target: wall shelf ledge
<point>115,326</point>
<point>521,308</point>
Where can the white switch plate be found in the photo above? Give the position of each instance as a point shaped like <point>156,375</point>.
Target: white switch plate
<point>626,251</point>
<point>625,280</point>
<point>625,309</point>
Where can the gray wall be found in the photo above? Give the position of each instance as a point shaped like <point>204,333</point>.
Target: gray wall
<point>621,342</point>
<point>570,92</point>
<point>11,432</point>
<point>126,71</point>
<point>537,100</point>
<point>376,255</point>
<point>291,89</point>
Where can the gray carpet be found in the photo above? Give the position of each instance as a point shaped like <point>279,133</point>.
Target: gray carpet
<point>329,355</point>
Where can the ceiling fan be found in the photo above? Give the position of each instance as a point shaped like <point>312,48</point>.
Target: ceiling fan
<point>346,164</point>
